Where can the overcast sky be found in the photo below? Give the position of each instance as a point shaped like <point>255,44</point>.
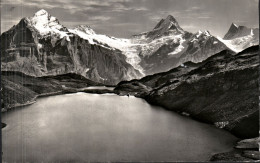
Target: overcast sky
<point>123,18</point>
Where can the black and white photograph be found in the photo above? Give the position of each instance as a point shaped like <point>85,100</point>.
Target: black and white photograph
<point>129,81</point>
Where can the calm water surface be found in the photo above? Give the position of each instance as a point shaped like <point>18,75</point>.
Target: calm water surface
<point>85,127</point>
<point>99,88</point>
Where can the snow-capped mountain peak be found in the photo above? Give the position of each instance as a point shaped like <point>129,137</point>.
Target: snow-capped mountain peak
<point>166,26</point>
<point>201,35</point>
<point>41,13</point>
<point>47,25</point>
<point>169,22</point>
<point>204,33</point>
<point>86,29</point>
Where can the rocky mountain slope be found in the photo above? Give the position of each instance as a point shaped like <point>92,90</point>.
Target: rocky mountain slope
<point>19,89</point>
<point>168,46</point>
<point>41,46</point>
<point>222,90</point>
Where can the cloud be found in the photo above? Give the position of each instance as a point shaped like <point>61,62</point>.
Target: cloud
<point>162,15</point>
<point>204,17</point>
<point>11,8</point>
<point>99,18</point>
<point>76,6</point>
<point>8,23</point>
<point>123,17</point>
<point>121,8</point>
<point>193,8</point>
<point>188,26</point>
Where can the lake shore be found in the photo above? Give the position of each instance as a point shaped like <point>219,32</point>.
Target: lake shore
<point>140,108</point>
<point>61,92</point>
<point>235,154</point>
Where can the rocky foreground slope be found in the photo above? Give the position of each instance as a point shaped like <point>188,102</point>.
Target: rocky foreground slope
<point>222,90</point>
<point>19,89</point>
<point>245,150</point>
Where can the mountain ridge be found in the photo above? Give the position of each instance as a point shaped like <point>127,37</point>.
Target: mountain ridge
<point>166,46</point>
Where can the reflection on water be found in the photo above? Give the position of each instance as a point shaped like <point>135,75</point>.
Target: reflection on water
<point>99,88</point>
<point>89,127</point>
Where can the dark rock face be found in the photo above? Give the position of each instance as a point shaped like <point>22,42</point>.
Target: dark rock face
<point>25,49</point>
<point>3,125</point>
<point>222,89</point>
<point>165,27</point>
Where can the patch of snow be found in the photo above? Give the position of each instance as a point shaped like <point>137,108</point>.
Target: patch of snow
<point>39,45</point>
<point>252,33</point>
<point>229,44</point>
<point>102,78</point>
<point>235,25</point>
<point>201,35</point>
<point>148,47</point>
<point>180,47</point>
<point>87,69</point>
<point>206,33</point>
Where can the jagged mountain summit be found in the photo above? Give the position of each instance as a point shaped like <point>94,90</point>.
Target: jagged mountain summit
<point>236,31</point>
<point>46,25</point>
<point>41,46</point>
<point>239,38</point>
<point>168,46</point>
<point>166,27</point>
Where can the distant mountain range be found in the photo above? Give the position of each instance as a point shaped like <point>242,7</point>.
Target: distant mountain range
<point>41,46</point>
